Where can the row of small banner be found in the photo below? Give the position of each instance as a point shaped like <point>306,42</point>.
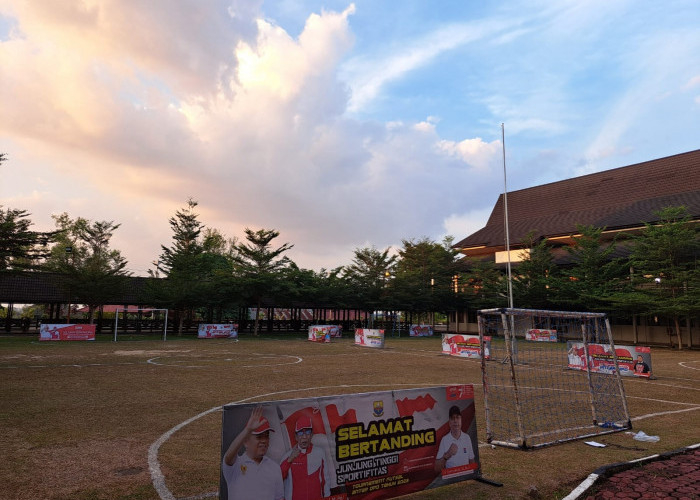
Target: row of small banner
<point>632,360</point>
<point>324,333</point>
<point>87,332</point>
<point>360,446</point>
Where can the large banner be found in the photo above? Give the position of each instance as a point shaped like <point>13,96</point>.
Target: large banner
<point>368,337</point>
<point>465,346</point>
<point>541,335</point>
<point>66,332</point>
<point>324,333</point>
<point>420,331</point>
<point>218,331</point>
<point>356,446</point>
<point>633,360</point>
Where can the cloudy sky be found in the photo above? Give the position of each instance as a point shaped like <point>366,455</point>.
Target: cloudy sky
<point>342,125</point>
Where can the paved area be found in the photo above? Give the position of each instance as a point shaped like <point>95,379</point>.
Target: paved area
<point>674,475</point>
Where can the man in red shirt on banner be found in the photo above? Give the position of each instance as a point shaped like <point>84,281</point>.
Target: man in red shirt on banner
<point>305,469</point>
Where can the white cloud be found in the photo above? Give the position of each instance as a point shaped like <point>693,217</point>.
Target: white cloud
<point>474,152</point>
<point>657,71</point>
<point>693,82</point>
<point>112,119</point>
<point>367,75</point>
<point>123,138</point>
<point>462,225</point>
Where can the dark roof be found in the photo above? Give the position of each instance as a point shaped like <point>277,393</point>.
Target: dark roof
<point>616,199</point>
<point>32,288</point>
<point>46,288</point>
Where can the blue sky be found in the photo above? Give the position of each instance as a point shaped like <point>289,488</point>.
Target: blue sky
<point>340,124</point>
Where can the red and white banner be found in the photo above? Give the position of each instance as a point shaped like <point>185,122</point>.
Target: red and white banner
<point>420,331</point>
<point>538,335</point>
<point>66,332</point>
<point>633,361</point>
<point>319,333</point>
<point>369,337</point>
<point>324,333</point>
<point>218,331</point>
<point>465,346</point>
<point>360,446</point>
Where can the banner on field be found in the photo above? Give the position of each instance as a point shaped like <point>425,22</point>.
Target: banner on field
<point>324,333</point>
<point>355,446</point>
<point>319,333</point>
<point>420,331</point>
<point>633,360</point>
<point>218,331</point>
<point>465,346</point>
<point>368,337</point>
<point>541,335</point>
<point>66,332</point>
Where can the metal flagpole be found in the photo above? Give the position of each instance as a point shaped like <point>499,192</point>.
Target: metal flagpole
<point>505,217</point>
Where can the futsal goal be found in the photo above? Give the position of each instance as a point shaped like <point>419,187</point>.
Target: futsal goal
<point>137,311</point>
<point>535,393</point>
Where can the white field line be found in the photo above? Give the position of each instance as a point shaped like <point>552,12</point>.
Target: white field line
<point>72,365</point>
<point>295,360</point>
<point>662,413</point>
<point>684,363</point>
<point>664,401</point>
<point>651,382</point>
<point>158,479</point>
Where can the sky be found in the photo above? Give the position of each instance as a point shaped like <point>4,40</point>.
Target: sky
<point>342,125</point>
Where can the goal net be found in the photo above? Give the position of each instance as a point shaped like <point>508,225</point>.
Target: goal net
<point>117,312</point>
<point>535,394</point>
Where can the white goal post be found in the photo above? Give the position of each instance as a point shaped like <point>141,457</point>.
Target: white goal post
<point>537,390</point>
<point>145,309</point>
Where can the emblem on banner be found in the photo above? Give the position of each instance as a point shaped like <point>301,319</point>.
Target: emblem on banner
<point>378,408</point>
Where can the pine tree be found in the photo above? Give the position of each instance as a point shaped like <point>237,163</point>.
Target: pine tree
<point>182,263</point>
<point>260,267</point>
<point>665,268</point>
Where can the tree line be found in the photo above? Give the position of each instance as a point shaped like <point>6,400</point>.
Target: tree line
<point>652,273</point>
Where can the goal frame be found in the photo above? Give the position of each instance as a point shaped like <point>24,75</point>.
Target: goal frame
<point>593,328</point>
<point>140,309</point>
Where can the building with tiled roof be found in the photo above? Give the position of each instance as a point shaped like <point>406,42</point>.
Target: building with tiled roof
<point>620,200</point>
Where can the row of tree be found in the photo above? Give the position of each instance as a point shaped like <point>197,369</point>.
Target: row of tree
<point>653,273</point>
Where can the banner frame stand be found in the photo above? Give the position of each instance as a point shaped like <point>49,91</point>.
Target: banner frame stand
<point>490,482</point>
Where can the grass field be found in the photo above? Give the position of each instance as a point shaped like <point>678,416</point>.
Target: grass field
<point>140,418</point>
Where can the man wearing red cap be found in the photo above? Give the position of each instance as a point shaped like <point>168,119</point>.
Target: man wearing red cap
<point>304,468</point>
<point>252,475</point>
